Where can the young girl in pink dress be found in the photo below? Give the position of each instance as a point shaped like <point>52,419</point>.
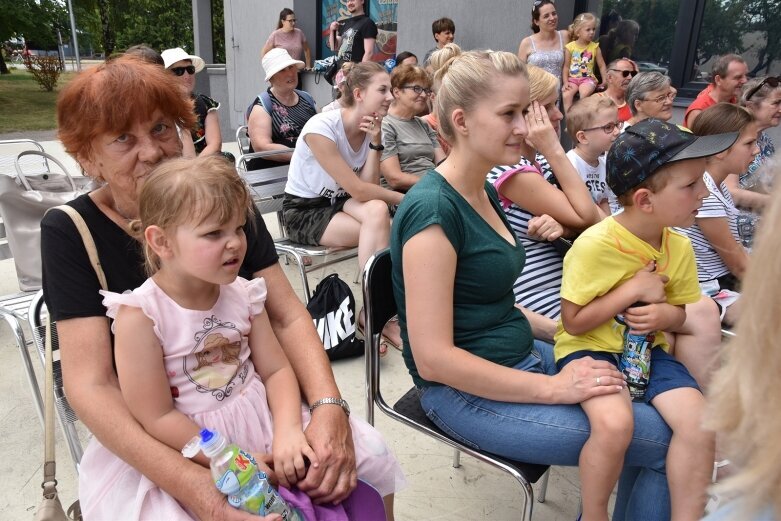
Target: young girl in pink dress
<point>194,349</point>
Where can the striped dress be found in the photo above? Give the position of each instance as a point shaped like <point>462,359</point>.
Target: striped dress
<point>538,286</point>
<point>718,204</point>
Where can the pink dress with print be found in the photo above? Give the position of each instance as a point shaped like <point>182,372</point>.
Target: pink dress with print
<point>213,381</point>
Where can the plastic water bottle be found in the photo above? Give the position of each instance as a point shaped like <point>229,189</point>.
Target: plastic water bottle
<point>635,360</point>
<point>236,474</point>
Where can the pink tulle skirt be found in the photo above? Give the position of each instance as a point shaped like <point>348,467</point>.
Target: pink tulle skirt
<point>110,489</point>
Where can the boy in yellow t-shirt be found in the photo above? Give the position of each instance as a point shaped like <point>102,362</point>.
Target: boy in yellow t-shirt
<point>655,169</point>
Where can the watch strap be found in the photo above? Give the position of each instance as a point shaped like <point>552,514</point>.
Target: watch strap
<point>331,401</point>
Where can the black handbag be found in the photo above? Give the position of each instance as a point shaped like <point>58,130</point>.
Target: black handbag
<point>332,307</point>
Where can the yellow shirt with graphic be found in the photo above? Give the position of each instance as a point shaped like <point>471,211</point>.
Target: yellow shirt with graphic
<point>606,256</point>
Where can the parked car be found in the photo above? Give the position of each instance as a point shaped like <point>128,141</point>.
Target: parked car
<point>649,66</point>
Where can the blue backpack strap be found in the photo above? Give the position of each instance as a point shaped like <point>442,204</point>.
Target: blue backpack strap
<point>265,102</point>
<point>308,97</point>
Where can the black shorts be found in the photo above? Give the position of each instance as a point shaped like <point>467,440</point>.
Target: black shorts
<point>667,373</point>
<point>307,218</point>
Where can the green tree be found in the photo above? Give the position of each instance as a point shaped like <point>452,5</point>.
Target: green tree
<point>723,27</point>
<point>764,16</point>
<point>173,25</point>
<point>218,30</point>
<point>16,20</point>
<point>36,21</point>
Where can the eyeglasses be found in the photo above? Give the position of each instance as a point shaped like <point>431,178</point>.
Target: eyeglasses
<point>179,71</point>
<point>661,99</point>
<point>417,89</point>
<point>608,128</point>
<point>625,73</point>
<point>293,20</point>
<point>772,81</point>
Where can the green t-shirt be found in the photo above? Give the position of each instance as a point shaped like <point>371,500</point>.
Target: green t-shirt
<point>485,319</point>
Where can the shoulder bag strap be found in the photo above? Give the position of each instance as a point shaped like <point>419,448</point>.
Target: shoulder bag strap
<point>89,242</point>
<point>49,484</point>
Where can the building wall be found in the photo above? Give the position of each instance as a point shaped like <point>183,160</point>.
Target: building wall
<point>480,24</point>
<point>496,24</point>
<point>247,26</point>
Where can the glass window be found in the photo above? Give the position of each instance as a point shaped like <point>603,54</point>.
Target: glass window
<point>642,30</point>
<point>740,27</point>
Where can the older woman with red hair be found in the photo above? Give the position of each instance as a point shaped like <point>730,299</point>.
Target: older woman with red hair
<point>118,144</point>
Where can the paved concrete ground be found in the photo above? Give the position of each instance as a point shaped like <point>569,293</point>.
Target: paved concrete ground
<point>436,491</point>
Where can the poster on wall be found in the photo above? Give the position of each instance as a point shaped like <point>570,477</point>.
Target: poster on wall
<point>383,12</point>
<point>330,11</point>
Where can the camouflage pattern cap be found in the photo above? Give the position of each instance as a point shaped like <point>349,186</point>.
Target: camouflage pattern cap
<point>648,145</point>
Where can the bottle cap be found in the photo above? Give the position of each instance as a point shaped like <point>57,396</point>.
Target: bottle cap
<point>212,442</point>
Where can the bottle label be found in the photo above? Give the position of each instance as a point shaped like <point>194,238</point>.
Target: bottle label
<point>248,489</point>
<point>635,360</point>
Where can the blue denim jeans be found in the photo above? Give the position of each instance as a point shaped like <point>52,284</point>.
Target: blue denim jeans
<point>554,435</point>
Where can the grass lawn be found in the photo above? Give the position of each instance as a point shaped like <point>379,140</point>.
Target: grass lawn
<point>24,105</point>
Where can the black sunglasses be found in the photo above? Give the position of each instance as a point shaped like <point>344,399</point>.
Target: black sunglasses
<point>179,71</point>
<point>772,81</point>
<point>625,73</point>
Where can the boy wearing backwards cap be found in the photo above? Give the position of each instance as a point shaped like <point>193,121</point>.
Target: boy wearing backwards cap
<point>655,169</point>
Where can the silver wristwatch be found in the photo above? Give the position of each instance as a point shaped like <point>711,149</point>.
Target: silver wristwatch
<point>335,401</point>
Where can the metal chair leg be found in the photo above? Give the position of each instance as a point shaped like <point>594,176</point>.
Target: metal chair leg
<point>543,487</point>
<point>456,458</point>
<point>528,501</point>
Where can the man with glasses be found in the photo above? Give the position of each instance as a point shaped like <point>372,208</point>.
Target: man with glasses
<point>354,37</point>
<point>619,73</point>
<point>729,74</point>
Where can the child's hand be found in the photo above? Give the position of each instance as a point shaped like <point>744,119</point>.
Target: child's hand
<point>544,227</point>
<point>541,135</point>
<point>292,456</point>
<point>266,463</point>
<point>645,319</point>
<point>649,285</point>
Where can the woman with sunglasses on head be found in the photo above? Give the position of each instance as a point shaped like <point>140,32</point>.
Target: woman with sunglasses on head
<point>650,95</point>
<point>411,147</point>
<point>761,97</point>
<point>206,134</point>
<point>544,48</point>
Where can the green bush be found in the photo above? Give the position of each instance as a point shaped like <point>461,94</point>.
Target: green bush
<point>45,69</point>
